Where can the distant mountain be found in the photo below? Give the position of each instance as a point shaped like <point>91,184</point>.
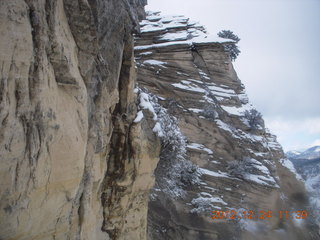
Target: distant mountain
<point>307,164</point>
<point>293,154</point>
<point>310,153</point>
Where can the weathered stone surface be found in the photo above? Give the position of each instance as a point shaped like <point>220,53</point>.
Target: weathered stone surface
<point>74,163</point>
<point>198,76</point>
<point>67,140</point>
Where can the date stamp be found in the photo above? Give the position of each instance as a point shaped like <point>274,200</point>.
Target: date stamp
<point>263,215</point>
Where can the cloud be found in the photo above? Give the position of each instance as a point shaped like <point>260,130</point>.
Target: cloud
<point>309,125</point>
<point>295,134</point>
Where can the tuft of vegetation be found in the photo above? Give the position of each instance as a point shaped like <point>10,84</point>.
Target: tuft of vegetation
<point>230,47</point>
<point>240,168</point>
<point>174,172</point>
<point>254,119</point>
<point>228,35</point>
<point>210,113</point>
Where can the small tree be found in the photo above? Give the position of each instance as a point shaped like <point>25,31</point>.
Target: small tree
<point>210,112</point>
<point>240,168</point>
<point>228,35</point>
<point>174,172</point>
<point>231,47</point>
<point>171,105</point>
<point>254,119</point>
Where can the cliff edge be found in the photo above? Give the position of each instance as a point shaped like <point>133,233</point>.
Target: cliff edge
<point>240,165</point>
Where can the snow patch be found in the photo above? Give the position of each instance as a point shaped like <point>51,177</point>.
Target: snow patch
<point>216,174</point>
<point>289,165</point>
<point>200,147</point>
<point>190,32</point>
<point>205,203</point>
<point>154,62</point>
<point>157,129</point>
<point>189,88</point>
<point>139,117</point>
<point>145,104</point>
<point>263,180</point>
<point>195,110</point>
<point>145,53</point>
<point>238,111</point>
<point>219,89</point>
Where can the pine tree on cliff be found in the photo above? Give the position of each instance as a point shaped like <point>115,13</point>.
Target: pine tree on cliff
<point>231,47</point>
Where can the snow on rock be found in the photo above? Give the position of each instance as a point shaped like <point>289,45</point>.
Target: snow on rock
<point>145,104</point>
<point>243,98</point>
<point>189,32</point>
<point>288,164</point>
<point>258,154</point>
<point>205,203</point>
<point>220,89</point>
<point>157,129</point>
<point>182,35</point>
<point>145,53</point>
<point>200,147</point>
<point>216,174</point>
<point>191,88</point>
<point>249,225</point>
<point>238,111</point>
<point>225,127</point>
<point>182,74</point>
<point>154,62</point>
<point>258,165</point>
<point>195,110</point>
<point>263,180</point>
<point>215,162</point>
<point>136,90</point>
<point>239,134</point>
<point>203,75</point>
<point>139,117</point>
<point>272,141</point>
<point>161,45</point>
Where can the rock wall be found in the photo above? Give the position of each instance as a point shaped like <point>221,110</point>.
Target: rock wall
<point>73,165</point>
<point>195,80</point>
<point>77,161</point>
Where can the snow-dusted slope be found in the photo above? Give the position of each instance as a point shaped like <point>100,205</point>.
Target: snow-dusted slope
<point>307,164</point>
<point>243,166</point>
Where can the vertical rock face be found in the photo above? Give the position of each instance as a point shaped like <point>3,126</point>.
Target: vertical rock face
<point>73,165</point>
<point>77,159</point>
<point>243,167</point>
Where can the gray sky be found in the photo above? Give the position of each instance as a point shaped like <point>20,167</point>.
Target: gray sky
<point>279,61</point>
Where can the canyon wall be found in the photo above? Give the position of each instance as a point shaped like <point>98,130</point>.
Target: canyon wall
<point>80,143</point>
<point>242,166</point>
<point>73,165</point>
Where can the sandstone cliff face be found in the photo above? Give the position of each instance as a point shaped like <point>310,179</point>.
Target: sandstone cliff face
<point>73,165</point>
<point>77,157</point>
<point>195,80</point>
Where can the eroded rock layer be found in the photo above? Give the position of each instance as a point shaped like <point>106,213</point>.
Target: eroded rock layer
<point>243,167</point>
<point>73,164</point>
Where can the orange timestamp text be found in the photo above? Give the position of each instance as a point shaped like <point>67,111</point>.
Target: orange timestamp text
<point>235,215</point>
